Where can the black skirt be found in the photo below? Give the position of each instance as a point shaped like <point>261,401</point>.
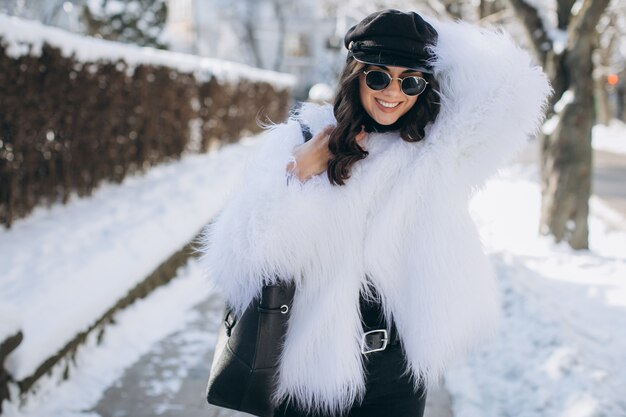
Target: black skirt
<point>389,390</point>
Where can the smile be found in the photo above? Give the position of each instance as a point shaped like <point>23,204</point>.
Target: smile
<point>387,104</point>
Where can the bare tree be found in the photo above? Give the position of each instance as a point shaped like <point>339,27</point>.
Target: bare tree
<point>565,51</point>
<point>245,17</point>
<point>281,22</point>
<point>248,24</point>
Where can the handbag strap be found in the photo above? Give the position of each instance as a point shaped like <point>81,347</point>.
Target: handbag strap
<point>306,131</point>
<point>229,322</point>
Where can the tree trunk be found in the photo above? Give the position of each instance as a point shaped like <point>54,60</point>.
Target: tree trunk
<point>566,156</point>
<point>567,159</point>
<point>566,173</point>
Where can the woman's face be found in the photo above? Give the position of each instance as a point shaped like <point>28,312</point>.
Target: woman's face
<point>386,106</point>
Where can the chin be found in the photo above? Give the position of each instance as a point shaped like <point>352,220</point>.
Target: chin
<point>386,117</point>
<point>386,121</point>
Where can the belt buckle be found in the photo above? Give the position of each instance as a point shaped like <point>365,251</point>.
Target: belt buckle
<point>365,349</point>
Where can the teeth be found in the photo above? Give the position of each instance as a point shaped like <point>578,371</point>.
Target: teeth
<point>387,104</point>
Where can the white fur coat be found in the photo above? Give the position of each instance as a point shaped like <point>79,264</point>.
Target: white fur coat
<point>401,221</point>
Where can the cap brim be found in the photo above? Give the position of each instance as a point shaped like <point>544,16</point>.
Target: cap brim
<point>391,60</point>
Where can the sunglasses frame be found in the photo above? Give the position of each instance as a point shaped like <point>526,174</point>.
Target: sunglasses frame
<point>390,80</point>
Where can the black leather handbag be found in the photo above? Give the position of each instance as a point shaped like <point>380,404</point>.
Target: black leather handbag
<point>246,355</point>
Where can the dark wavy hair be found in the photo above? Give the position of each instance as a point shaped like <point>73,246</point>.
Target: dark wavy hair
<point>351,115</point>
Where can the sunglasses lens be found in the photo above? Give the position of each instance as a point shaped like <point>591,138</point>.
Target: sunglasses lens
<point>412,86</point>
<point>377,80</point>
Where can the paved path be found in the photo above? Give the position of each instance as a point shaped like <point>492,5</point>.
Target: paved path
<point>609,179</point>
<point>170,380</point>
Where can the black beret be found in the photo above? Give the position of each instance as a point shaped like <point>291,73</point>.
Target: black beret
<point>392,38</point>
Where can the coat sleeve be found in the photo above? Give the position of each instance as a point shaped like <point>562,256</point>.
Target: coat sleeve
<point>236,248</point>
<point>492,99</point>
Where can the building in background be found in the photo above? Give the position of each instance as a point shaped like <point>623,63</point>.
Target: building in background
<point>288,36</point>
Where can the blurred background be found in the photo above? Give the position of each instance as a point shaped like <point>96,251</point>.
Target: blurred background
<point>303,38</point>
<point>125,126</point>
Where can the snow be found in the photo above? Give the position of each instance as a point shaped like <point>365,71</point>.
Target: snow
<point>611,138</point>
<point>559,40</point>
<point>97,367</point>
<point>547,13</point>
<point>577,7</point>
<point>86,255</point>
<point>25,37</point>
<point>562,343</point>
<point>9,322</point>
<point>567,98</point>
<point>560,352</point>
<point>550,125</point>
<point>321,92</point>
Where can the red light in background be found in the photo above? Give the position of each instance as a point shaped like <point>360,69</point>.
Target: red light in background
<point>612,79</point>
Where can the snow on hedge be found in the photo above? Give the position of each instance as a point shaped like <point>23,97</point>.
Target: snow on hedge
<point>26,37</point>
<point>64,267</point>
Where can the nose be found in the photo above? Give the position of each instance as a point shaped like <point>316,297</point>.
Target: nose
<point>394,89</point>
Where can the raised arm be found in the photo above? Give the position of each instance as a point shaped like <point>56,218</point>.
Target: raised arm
<point>492,99</point>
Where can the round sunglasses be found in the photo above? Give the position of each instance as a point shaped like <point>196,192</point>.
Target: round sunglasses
<point>379,80</point>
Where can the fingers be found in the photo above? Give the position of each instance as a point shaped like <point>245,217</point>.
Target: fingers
<point>322,136</point>
<point>328,130</point>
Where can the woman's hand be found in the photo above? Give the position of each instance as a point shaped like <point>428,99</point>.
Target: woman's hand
<point>312,156</point>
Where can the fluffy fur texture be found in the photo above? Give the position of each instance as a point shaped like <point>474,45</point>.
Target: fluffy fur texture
<point>401,222</point>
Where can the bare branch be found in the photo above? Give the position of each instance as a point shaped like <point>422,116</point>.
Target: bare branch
<point>535,28</point>
<point>580,40</point>
<point>435,7</point>
<point>495,18</point>
<point>564,12</point>
<point>585,22</point>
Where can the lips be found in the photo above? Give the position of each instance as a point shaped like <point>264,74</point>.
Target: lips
<point>387,104</point>
<point>387,107</point>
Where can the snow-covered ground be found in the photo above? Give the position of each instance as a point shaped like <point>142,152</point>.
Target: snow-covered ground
<point>611,138</point>
<point>560,352</point>
<point>64,267</point>
<point>98,366</point>
<point>561,349</point>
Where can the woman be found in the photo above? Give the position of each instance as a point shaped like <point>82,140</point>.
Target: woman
<point>392,284</point>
